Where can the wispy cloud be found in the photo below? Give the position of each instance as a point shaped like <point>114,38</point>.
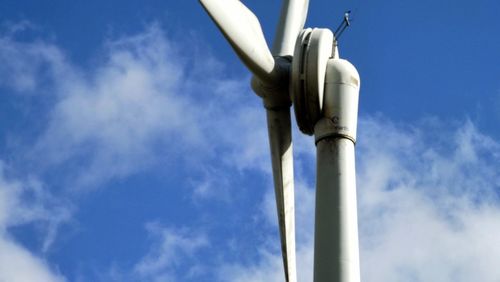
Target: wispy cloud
<point>28,67</point>
<point>174,255</point>
<point>171,251</point>
<point>144,99</point>
<point>428,202</point>
<point>115,117</point>
<point>22,203</point>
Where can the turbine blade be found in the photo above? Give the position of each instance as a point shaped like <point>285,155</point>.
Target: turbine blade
<point>280,141</point>
<point>292,20</point>
<point>242,30</point>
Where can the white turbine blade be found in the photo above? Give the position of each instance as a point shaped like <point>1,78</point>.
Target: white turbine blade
<point>292,20</point>
<point>243,31</point>
<point>280,140</point>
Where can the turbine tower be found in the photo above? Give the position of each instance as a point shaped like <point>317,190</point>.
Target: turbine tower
<point>304,70</point>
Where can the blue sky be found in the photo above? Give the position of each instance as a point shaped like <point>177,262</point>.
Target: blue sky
<point>132,148</point>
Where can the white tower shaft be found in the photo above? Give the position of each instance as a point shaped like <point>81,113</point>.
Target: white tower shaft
<point>336,250</point>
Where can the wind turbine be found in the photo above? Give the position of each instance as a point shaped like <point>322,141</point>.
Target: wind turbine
<point>304,69</point>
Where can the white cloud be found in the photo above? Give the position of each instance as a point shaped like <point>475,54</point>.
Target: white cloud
<point>24,203</point>
<point>28,201</point>
<point>115,116</point>
<point>145,98</point>
<point>18,264</point>
<point>146,101</point>
<point>170,252</point>
<point>428,203</point>
<point>28,67</point>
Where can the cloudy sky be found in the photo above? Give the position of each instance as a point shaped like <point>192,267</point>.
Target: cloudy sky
<point>133,149</point>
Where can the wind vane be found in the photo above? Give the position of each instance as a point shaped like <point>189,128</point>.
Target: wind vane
<point>343,25</point>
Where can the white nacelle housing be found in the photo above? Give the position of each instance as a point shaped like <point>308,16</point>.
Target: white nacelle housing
<point>340,101</point>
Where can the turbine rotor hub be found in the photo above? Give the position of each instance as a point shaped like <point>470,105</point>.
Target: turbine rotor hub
<point>275,93</point>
